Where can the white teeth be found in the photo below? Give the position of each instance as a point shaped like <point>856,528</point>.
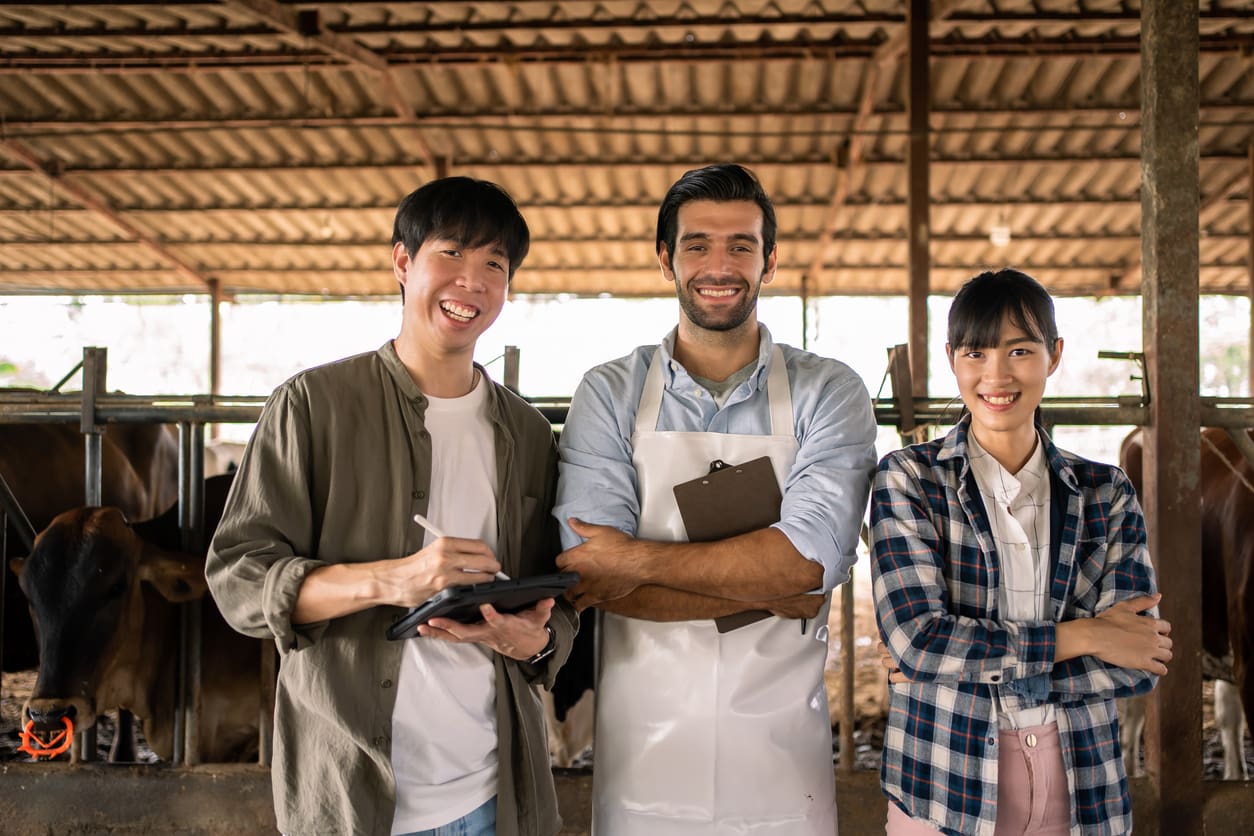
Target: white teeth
<point>459,312</point>
<point>1000,400</point>
<point>714,291</point>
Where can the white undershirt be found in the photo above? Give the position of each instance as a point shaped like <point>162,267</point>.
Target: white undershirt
<point>444,738</point>
<point>1018,514</point>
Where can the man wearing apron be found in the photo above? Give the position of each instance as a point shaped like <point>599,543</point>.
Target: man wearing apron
<point>700,731</point>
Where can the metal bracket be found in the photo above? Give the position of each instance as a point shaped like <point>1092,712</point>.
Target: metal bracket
<point>1137,357</point>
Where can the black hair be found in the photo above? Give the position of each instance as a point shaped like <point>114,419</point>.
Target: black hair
<point>720,183</point>
<point>984,302</point>
<point>474,213</point>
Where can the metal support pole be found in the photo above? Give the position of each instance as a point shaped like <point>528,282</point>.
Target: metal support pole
<point>918,198</point>
<point>513,360</point>
<point>847,665</point>
<point>1170,206</point>
<point>215,344</point>
<point>192,530</point>
<point>95,367</point>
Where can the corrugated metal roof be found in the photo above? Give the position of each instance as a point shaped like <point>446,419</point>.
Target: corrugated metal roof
<point>264,145</point>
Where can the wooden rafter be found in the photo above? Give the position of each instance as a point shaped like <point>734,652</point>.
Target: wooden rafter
<point>855,140</point>
<point>344,47</point>
<point>86,199</point>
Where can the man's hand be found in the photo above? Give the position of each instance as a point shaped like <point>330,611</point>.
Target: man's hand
<point>607,563</point>
<point>519,636</point>
<point>794,606</point>
<point>448,561</point>
<point>339,589</point>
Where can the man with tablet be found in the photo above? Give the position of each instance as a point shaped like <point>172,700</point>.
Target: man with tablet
<point>707,485</point>
<point>320,551</point>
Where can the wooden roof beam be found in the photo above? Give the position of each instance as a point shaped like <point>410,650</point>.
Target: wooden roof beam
<point>801,48</point>
<point>82,197</point>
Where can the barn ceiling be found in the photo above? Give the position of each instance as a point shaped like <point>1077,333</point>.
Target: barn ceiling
<point>260,145</point>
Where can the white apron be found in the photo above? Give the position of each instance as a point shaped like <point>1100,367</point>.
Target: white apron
<point>699,732</point>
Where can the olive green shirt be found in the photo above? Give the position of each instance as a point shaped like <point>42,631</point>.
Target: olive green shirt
<point>337,467</point>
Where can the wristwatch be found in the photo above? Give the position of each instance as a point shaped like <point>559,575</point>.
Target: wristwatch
<point>547,650</point>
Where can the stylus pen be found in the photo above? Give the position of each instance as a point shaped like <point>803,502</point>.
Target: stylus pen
<point>437,534</point>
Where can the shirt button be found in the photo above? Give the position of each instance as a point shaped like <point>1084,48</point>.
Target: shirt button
<point>419,494</point>
<point>378,741</point>
<point>992,741</point>
<point>424,435</point>
<point>995,678</point>
<point>387,683</point>
<point>1030,740</point>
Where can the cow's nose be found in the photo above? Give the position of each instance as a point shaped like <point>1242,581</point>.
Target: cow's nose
<point>51,717</point>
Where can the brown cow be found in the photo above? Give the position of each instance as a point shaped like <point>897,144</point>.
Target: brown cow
<point>44,465</point>
<point>103,596</point>
<point>1227,566</point>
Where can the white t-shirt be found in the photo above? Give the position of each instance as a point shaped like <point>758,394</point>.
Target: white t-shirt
<point>444,725</point>
<point>1018,514</point>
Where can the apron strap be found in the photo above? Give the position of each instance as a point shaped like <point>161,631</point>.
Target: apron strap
<point>777,392</point>
<point>780,395</point>
<point>651,398</point>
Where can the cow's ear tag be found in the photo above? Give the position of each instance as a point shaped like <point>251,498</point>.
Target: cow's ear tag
<point>177,579</point>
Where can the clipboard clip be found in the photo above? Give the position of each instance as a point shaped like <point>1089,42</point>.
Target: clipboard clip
<point>717,465</point>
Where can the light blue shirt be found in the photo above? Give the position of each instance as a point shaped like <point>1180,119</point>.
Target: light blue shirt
<point>825,494</point>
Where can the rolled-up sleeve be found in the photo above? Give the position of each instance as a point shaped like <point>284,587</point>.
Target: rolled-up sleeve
<point>825,496</point>
<point>597,482</point>
<point>258,557</point>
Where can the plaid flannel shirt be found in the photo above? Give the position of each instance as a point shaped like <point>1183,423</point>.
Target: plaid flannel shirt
<point>936,574</point>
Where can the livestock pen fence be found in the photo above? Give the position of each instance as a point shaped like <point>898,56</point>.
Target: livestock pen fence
<point>94,408</point>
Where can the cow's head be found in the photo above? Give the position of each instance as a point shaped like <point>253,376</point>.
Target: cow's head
<point>83,581</point>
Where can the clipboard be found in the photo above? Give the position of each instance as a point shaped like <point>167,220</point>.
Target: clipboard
<point>731,499</point>
<point>461,603</point>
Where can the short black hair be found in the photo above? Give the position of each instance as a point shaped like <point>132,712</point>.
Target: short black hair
<point>977,312</point>
<point>721,183</point>
<point>474,213</point>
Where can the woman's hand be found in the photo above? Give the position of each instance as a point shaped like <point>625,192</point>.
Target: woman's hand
<point>1127,639</point>
<point>895,675</point>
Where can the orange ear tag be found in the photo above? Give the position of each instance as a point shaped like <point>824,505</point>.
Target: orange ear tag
<point>59,743</point>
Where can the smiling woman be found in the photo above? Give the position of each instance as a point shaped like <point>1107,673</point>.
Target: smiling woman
<point>1015,595</point>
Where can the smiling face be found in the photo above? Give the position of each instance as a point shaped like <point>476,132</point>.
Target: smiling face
<point>1003,384</point>
<point>452,294</point>
<point>719,263</point>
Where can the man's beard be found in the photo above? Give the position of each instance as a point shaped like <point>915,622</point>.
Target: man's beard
<point>724,320</point>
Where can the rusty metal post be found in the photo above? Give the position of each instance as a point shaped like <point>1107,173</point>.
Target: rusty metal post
<point>1169,247</point>
<point>95,367</point>
<point>918,232</point>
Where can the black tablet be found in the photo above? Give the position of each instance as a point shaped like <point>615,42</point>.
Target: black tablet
<point>461,603</point>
